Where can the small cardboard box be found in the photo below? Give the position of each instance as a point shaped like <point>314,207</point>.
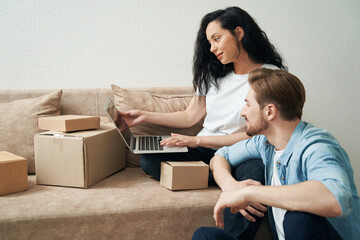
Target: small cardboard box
<point>13,173</point>
<point>78,159</point>
<point>68,123</point>
<point>184,175</point>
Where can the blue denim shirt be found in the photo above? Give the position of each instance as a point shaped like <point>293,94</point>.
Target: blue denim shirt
<point>311,154</point>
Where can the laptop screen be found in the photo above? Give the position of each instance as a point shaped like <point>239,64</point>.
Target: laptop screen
<point>119,121</point>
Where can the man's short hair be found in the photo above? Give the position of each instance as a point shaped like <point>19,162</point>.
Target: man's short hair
<point>280,88</point>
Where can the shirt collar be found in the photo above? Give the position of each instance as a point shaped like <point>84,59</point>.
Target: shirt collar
<point>294,140</point>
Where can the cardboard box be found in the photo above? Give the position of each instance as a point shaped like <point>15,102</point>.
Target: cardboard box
<point>104,119</point>
<point>78,159</point>
<point>13,173</point>
<point>69,123</point>
<point>184,175</point>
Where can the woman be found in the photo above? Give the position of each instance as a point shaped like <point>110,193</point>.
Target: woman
<point>228,47</point>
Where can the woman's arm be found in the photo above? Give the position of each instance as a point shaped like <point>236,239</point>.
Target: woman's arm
<point>181,119</point>
<point>221,141</point>
<point>205,141</point>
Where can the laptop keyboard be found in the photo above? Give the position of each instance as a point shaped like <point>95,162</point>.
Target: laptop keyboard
<point>150,143</point>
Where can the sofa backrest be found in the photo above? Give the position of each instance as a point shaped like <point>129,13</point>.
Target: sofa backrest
<point>86,102</point>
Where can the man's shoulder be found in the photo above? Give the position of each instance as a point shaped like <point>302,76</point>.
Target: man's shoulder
<point>317,139</point>
<point>311,133</point>
<point>317,146</point>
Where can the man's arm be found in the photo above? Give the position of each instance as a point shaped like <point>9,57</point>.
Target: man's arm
<point>221,171</point>
<point>308,196</point>
<point>227,157</point>
<point>242,151</point>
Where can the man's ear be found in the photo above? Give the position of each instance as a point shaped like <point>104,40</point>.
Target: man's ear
<point>239,33</point>
<point>271,111</point>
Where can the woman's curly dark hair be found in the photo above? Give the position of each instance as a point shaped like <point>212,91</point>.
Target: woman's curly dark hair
<point>207,68</point>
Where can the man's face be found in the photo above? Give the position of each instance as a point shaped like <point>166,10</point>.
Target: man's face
<point>255,119</point>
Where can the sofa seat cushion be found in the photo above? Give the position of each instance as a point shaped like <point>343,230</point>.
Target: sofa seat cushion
<point>127,205</point>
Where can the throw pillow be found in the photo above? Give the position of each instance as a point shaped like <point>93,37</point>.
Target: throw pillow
<point>19,123</point>
<point>126,99</point>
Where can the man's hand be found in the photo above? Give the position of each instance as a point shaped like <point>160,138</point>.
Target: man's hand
<point>254,208</point>
<point>180,140</point>
<point>133,117</point>
<point>232,199</point>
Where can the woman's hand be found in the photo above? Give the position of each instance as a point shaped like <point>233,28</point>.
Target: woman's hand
<point>133,117</point>
<point>181,140</point>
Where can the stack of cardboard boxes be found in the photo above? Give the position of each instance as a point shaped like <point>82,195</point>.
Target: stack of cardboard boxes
<point>78,151</point>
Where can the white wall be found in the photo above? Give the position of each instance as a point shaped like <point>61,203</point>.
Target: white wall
<point>138,43</point>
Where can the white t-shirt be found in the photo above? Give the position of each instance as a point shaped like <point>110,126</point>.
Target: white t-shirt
<point>224,105</point>
<point>278,213</point>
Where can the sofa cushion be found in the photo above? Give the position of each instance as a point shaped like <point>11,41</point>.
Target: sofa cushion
<point>126,205</point>
<point>19,123</point>
<point>127,99</point>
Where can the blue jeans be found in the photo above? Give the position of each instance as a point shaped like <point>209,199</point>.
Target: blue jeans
<point>301,225</point>
<point>297,226</point>
<point>235,224</point>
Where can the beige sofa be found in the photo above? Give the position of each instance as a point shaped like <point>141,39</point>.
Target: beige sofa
<point>127,205</point>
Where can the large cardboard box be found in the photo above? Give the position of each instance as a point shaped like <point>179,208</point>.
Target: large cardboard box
<point>69,123</point>
<point>78,159</point>
<point>13,173</point>
<point>184,175</point>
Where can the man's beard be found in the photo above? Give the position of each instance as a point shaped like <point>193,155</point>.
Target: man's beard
<point>258,128</point>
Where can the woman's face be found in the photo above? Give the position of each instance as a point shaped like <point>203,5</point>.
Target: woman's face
<point>222,43</point>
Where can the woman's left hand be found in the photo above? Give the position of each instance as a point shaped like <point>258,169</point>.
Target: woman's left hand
<point>180,140</point>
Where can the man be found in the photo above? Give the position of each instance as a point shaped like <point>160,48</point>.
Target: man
<point>310,185</point>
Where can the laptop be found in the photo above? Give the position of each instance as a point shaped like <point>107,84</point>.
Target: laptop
<point>138,144</point>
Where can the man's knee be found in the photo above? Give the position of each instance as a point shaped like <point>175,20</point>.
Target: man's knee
<point>200,234</point>
<point>295,221</point>
<point>251,169</point>
<point>301,225</point>
<point>211,233</point>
